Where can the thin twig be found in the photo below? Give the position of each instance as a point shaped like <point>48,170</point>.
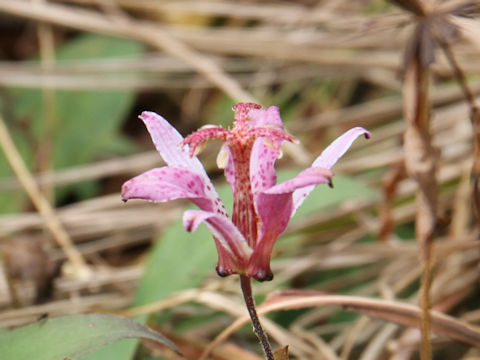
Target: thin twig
<point>47,59</point>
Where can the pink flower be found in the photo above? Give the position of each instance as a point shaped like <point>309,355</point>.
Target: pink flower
<point>261,209</point>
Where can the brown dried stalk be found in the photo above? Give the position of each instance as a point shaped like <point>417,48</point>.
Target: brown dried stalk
<point>420,156</point>
<point>420,161</point>
<point>475,119</point>
<point>47,58</point>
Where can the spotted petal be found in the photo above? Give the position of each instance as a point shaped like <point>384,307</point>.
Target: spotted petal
<point>275,208</point>
<point>233,249</point>
<point>169,183</point>
<point>167,141</point>
<point>264,151</point>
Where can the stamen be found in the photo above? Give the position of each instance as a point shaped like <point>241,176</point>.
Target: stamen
<point>222,158</point>
<point>200,147</point>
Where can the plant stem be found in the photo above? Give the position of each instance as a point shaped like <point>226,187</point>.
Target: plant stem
<point>475,119</point>
<point>425,304</point>
<point>421,165</point>
<point>246,285</point>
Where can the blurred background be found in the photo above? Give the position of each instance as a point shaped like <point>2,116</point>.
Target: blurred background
<point>74,76</point>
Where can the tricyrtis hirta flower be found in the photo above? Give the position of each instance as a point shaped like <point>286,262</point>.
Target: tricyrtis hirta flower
<point>261,208</point>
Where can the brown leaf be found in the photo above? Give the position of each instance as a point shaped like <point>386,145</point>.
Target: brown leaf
<point>281,354</point>
<point>413,6</point>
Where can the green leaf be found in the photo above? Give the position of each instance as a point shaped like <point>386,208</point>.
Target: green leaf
<point>87,122</point>
<point>345,188</point>
<point>72,337</point>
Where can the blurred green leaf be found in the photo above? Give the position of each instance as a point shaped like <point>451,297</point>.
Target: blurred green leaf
<point>71,337</point>
<point>87,122</point>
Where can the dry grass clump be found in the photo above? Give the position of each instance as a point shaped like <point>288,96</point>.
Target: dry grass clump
<point>329,65</point>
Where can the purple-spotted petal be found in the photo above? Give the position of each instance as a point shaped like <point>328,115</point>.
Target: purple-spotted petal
<point>262,165</point>
<point>329,157</point>
<point>232,247</point>
<point>169,183</point>
<point>264,151</point>
<point>167,141</point>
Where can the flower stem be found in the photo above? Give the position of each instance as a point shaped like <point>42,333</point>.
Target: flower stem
<point>261,335</point>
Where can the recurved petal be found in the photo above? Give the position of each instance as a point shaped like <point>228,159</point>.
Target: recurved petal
<point>308,177</point>
<point>236,251</point>
<point>329,157</point>
<point>169,183</point>
<point>339,147</point>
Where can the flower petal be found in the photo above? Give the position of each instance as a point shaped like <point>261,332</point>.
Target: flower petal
<point>275,208</point>
<point>262,166</point>
<point>274,211</point>
<point>311,176</point>
<point>329,157</point>
<point>169,183</point>
<point>233,249</point>
<point>266,117</point>
<point>230,167</point>
<point>167,141</point>
<point>339,147</point>
<point>276,205</point>
<point>264,153</point>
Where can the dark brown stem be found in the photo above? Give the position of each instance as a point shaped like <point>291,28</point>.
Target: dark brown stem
<point>475,118</point>
<point>420,161</point>
<point>245,282</point>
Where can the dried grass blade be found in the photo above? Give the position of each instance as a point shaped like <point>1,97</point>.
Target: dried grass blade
<point>149,33</point>
<point>400,313</point>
